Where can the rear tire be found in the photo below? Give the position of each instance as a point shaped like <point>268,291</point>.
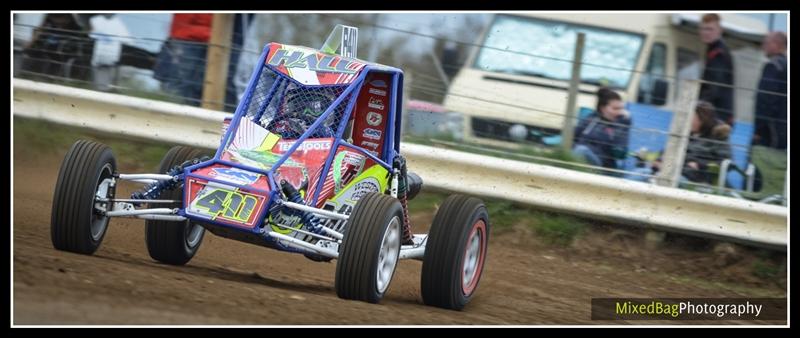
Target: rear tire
<point>75,223</point>
<point>455,252</point>
<point>370,249</point>
<point>173,242</point>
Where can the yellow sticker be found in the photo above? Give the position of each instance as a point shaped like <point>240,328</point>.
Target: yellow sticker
<point>269,143</point>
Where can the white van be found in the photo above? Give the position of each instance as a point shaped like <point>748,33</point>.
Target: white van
<point>520,74</point>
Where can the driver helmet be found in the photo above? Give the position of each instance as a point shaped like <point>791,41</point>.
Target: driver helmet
<point>306,104</point>
<point>301,108</point>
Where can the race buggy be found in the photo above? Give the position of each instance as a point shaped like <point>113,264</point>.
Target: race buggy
<point>309,163</point>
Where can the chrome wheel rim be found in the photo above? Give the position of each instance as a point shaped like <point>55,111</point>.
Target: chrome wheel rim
<point>389,254</point>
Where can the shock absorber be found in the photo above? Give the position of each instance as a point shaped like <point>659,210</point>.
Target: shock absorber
<point>311,221</point>
<point>402,195</point>
<point>154,189</point>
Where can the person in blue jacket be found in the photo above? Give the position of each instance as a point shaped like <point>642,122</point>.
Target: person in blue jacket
<point>602,137</point>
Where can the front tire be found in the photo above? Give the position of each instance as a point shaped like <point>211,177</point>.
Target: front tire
<point>455,252</point>
<point>173,242</point>
<point>370,248</point>
<point>76,225</point>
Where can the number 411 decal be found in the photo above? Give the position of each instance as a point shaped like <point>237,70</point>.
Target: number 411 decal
<point>226,204</point>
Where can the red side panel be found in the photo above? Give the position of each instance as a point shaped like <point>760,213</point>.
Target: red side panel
<point>308,158</point>
<point>371,113</point>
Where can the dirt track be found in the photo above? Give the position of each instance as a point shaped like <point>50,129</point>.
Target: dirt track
<point>235,283</point>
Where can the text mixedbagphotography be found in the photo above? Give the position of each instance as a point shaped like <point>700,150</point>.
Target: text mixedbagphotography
<point>689,308</point>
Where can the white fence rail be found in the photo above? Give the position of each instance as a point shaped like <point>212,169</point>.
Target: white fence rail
<point>543,186</point>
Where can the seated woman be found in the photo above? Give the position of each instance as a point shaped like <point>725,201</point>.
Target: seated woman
<point>708,145</point>
<point>602,138</point>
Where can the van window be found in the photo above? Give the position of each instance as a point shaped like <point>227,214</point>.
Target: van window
<point>656,70</point>
<point>547,44</point>
<point>688,67</point>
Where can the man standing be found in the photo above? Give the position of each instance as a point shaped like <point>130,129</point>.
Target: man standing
<point>181,65</point>
<point>768,152</point>
<point>182,62</point>
<point>770,124</point>
<point>718,70</point>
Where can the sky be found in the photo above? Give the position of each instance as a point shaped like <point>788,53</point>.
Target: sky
<point>779,20</point>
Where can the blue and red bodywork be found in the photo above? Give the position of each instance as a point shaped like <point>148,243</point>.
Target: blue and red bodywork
<point>264,188</point>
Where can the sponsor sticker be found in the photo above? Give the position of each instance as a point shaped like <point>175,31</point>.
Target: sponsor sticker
<point>362,188</point>
<point>347,165</point>
<point>377,91</point>
<point>374,119</point>
<point>368,144</point>
<point>378,83</point>
<point>306,146</point>
<point>375,103</point>
<point>235,175</point>
<point>372,134</point>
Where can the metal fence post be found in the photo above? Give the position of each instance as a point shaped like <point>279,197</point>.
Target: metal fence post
<point>675,151</point>
<point>568,129</point>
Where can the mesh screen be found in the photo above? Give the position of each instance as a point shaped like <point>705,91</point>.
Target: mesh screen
<point>288,109</point>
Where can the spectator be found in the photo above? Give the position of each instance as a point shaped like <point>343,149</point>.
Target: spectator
<point>61,48</point>
<point>708,145</point>
<point>602,137</point>
<point>181,64</point>
<point>718,69</point>
<point>770,124</point>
